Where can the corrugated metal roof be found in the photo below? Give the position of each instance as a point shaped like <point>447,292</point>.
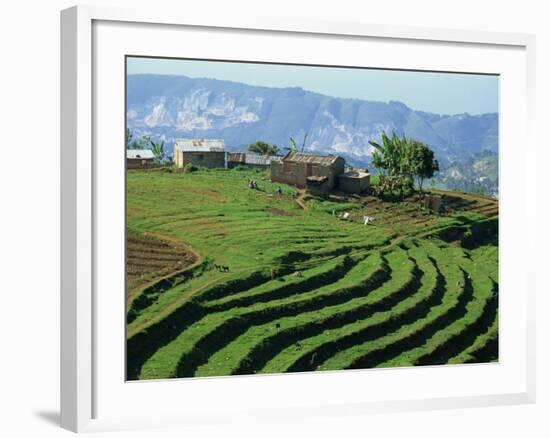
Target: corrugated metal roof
<point>299,157</point>
<point>259,160</point>
<point>253,159</point>
<point>354,174</point>
<point>200,144</point>
<point>143,154</point>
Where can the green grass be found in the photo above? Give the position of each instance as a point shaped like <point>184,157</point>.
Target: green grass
<point>386,349</point>
<point>215,328</point>
<point>303,339</point>
<point>234,356</point>
<point>426,291</point>
<point>304,290</point>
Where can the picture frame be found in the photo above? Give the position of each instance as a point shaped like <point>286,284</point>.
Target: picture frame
<point>87,375</point>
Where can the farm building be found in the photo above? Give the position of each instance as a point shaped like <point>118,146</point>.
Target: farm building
<point>139,158</point>
<point>235,159</point>
<point>317,173</point>
<point>354,181</point>
<point>201,152</point>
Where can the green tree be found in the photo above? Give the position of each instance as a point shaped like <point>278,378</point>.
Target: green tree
<point>391,160</point>
<point>422,162</point>
<point>399,160</point>
<point>263,148</point>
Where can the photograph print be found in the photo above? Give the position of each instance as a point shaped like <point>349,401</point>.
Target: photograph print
<point>287,218</point>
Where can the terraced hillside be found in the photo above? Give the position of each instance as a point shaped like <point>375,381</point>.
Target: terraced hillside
<point>281,286</point>
<point>149,258</point>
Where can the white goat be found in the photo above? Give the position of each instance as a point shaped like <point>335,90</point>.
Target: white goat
<point>367,219</point>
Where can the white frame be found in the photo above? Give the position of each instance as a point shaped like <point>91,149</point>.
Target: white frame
<point>77,198</point>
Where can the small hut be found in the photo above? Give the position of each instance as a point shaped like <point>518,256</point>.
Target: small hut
<point>317,173</point>
<point>139,158</point>
<point>354,181</point>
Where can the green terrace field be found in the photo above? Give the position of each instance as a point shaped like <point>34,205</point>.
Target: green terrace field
<point>224,280</point>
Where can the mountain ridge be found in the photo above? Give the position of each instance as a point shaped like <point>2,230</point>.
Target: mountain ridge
<point>171,106</point>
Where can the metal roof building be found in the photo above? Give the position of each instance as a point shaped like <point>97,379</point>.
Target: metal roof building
<point>200,145</point>
<point>317,173</point>
<point>321,160</point>
<point>241,158</point>
<point>201,152</point>
<point>140,154</point>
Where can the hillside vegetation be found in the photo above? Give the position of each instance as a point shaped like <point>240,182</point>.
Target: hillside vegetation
<point>260,284</point>
<point>477,173</point>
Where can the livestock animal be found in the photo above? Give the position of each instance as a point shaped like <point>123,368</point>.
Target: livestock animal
<point>344,215</point>
<point>367,219</point>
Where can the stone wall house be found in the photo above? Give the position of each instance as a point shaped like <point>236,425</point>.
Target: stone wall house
<point>257,161</point>
<point>317,173</point>
<point>200,152</point>
<point>354,181</point>
<point>139,158</point>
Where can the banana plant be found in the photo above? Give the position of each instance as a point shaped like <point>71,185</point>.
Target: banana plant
<point>158,150</point>
<point>391,160</point>
<point>294,145</point>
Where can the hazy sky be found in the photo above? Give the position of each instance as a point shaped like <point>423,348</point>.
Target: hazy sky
<point>442,93</point>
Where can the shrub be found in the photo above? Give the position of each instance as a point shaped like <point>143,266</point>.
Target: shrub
<point>190,167</point>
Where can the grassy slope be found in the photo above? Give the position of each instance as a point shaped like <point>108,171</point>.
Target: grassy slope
<point>263,239</point>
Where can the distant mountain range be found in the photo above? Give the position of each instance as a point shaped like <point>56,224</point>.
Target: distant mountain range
<point>477,173</point>
<point>168,107</point>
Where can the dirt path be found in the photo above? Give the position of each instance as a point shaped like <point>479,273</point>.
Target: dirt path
<point>151,257</point>
<point>300,199</point>
<point>177,242</point>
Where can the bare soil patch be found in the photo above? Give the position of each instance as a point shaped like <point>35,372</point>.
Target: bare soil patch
<point>149,258</point>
